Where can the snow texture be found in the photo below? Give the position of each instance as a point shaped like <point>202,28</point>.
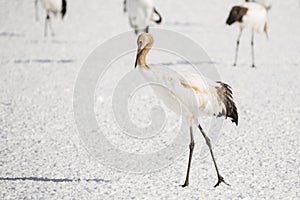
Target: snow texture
<point>42,156</point>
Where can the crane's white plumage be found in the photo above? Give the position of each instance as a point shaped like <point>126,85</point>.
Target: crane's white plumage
<point>255,18</point>
<point>141,14</point>
<point>249,15</point>
<point>53,6</point>
<point>187,94</point>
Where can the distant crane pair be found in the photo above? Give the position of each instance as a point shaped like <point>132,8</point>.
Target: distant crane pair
<point>140,13</point>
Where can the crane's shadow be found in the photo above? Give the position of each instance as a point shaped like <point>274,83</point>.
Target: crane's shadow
<point>56,180</point>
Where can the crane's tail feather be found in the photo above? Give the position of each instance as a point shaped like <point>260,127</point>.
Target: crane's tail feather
<point>236,14</point>
<point>225,94</point>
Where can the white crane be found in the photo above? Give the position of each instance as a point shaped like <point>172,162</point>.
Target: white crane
<point>141,14</point>
<point>51,6</point>
<point>249,15</point>
<point>187,94</point>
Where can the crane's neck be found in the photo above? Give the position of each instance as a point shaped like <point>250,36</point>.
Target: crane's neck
<point>141,59</point>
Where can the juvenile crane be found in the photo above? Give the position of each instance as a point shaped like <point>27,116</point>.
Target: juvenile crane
<point>249,15</point>
<point>52,6</point>
<point>187,94</point>
<point>141,14</point>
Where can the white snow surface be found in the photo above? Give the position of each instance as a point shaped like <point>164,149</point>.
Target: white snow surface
<point>38,137</point>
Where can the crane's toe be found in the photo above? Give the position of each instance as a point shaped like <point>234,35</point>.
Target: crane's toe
<point>220,180</point>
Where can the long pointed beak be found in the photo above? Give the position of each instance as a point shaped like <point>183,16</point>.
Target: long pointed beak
<point>137,57</point>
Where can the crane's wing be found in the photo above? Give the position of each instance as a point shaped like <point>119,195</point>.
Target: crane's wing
<point>215,98</point>
<point>198,95</point>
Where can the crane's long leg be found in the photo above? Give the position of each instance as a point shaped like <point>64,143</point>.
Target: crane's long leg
<point>50,26</point>
<point>46,24</point>
<point>124,6</point>
<point>36,10</point>
<point>147,29</point>
<point>237,47</point>
<point>192,144</point>
<point>207,140</point>
<point>252,49</point>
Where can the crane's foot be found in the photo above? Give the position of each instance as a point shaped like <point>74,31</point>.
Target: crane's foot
<point>185,184</point>
<point>234,64</point>
<point>253,65</point>
<point>220,180</point>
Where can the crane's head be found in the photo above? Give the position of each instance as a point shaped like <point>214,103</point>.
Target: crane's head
<point>144,42</point>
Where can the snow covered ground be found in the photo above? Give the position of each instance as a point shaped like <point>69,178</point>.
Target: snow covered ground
<point>41,152</point>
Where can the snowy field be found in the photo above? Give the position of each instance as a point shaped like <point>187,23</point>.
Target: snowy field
<point>41,152</point>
